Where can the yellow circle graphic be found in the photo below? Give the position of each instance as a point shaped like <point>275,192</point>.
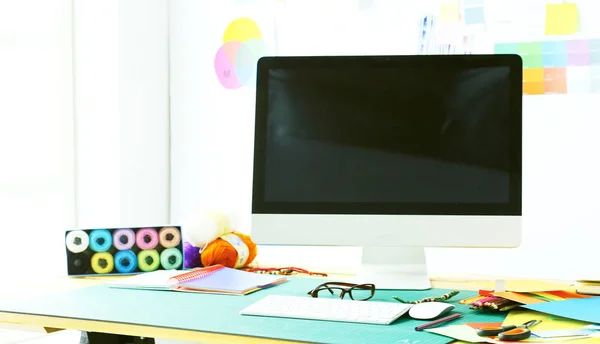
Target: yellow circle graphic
<point>241,30</point>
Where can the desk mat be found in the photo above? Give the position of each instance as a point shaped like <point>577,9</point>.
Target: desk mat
<point>220,313</point>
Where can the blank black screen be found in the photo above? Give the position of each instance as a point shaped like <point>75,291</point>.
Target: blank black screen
<point>388,135</point>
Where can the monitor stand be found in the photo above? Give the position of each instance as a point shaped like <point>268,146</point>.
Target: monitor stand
<point>394,268</point>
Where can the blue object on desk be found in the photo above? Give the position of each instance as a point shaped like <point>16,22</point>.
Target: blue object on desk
<point>220,313</point>
<point>579,309</point>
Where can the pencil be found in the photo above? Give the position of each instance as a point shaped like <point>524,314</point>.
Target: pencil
<point>438,321</point>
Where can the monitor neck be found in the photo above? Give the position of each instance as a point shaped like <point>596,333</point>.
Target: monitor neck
<point>394,267</point>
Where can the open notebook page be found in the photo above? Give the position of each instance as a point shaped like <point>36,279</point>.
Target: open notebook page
<point>232,281</point>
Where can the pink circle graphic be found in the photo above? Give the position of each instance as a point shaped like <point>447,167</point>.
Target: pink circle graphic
<point>225,65</point>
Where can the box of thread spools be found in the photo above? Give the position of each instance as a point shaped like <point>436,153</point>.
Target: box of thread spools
<point>112,251</point>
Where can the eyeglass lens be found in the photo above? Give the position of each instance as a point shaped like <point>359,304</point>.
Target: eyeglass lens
<point>361,292</point>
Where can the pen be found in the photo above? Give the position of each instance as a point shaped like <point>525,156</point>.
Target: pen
<point>438,321</point>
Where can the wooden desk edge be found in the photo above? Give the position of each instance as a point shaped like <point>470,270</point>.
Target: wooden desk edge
<point>58,323</point>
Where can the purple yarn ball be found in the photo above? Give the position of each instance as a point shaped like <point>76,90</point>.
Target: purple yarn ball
<point>191,256</point>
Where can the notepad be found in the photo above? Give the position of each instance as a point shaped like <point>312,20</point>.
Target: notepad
<point>215,279</point>
<point>561,19</point>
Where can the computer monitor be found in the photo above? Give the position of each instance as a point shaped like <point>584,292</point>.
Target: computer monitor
<point>389,153</point>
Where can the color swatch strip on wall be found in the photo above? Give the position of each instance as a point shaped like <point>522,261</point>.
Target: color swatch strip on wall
<point>557,67</point>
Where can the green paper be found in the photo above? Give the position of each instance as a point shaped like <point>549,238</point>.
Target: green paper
<point>220,313</point>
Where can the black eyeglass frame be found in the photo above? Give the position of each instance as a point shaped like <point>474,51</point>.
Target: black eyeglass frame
<point>345,288</point>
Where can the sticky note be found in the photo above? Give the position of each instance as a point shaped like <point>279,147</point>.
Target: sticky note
<point>578,59</point>
<point>474,15</point>
<point>578,46</point>
<point>554,60</point>
<point>533,83</point>
<point>579,79</point>
<point>531,52</point>
<point>561,19</point>
<point>555,86</point>
<point>554,47</point>
<point>533,88</point>
<point>449,12</point>
<point>506,48</point>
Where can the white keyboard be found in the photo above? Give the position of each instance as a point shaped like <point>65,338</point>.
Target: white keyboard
<point>306,307</point>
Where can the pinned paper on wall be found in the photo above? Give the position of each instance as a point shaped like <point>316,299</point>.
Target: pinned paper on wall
<point>561,19</point>
<point>449,12</point>
<point>474,15</point>
<point>557,67</point>
<point>473,12</point>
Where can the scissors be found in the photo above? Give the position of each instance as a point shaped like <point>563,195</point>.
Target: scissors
<point>509,332</point>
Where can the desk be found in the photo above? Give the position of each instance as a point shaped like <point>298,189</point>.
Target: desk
<point>24,291</point>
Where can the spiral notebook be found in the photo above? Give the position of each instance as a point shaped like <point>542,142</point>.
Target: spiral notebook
<point>215,279</point>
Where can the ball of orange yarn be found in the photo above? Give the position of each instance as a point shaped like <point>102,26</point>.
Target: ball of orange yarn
<point>221,252</point>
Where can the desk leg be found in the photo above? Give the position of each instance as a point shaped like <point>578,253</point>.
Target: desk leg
<point>106,338</point>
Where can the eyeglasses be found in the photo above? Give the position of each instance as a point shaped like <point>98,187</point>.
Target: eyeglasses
<point>357,292</point>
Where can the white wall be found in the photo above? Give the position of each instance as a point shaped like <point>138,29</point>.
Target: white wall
<point>144,112</point>
<point>97,122</point>
<point>36,141</point>
<point>212,139</point>
<point>122,112</point>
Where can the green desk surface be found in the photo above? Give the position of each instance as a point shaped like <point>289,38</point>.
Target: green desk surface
<point>220,313</point>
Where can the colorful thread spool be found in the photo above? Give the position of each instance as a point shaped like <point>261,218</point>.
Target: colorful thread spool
<point>126,261</point>
<point>148,260</point>
<point>171,259</point>
<point>146,238</point>
<point>79,264</point>
<point>169,237</point>
<point>103,263</point>
<point>100,240</point>
<point>124,239</point>
<point>77,241</point>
